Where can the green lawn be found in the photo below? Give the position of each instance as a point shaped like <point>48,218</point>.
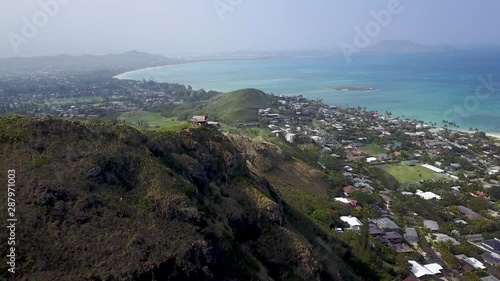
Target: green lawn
<point>410,174</point>
<point>372,149</point>
<point>151,120</point>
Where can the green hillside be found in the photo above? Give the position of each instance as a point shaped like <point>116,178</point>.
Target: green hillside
<point>230,108</point>
<point>110,202</point>
<point>238,106</point>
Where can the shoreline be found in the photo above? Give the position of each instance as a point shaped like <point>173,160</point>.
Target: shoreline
<point>488,134</point>
<point>494,135</point>
<point>119,76</point>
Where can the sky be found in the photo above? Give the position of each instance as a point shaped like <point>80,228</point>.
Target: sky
<point>184,27</point>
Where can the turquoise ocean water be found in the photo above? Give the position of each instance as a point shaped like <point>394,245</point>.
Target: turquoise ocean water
<point>427,86</point>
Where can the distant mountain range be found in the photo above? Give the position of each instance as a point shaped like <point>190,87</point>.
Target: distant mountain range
<point>120,62</point>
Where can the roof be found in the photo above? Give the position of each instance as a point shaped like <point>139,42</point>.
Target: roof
<point>472,261</point>
<point>375,230</point>
<point>493,244</point>
<point>351,221</point>
<point>411,235</point>
<point>200,118</point>
<point>386,223</point>
<point>474,237</point>
<point>427,195</point>
<point>469,213</point>
<point>432,225</point>
<point>342,199</point>
<point>490,278</point>
<point>491,258</point>
<point>421,270</point>
<point>440,237</point>
<point>392,235</point>
<point>349,189</point>
<point>432,168</point>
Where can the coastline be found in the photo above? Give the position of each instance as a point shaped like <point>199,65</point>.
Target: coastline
<point>120,76</point>
<point>494,135</point>
<point>488,134</point>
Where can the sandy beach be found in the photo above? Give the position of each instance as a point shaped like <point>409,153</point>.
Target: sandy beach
<point>151,70</point>
<point>494,135</point>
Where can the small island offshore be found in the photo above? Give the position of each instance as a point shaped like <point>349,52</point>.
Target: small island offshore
<point>354,89</point>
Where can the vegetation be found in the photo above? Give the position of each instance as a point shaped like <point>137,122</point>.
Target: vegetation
<point>372,149</point>
<point>151,120</point>
<point>183,205</point>
<point>230,108</point>
<point>410,174</point>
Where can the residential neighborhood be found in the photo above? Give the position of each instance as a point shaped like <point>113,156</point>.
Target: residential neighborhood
<point>423,191</point>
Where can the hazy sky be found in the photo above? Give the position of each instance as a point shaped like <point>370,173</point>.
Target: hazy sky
<point>172,27</point>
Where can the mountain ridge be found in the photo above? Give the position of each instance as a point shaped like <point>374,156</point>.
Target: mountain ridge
<point>207,215</point>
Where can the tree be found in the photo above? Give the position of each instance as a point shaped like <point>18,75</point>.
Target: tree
<point>478,204</point>
<point>494,192</point>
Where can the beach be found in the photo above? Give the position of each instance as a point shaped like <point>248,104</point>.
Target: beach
<point>494,135</point>
<point>154,69</point>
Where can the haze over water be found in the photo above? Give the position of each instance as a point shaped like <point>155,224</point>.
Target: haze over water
<point>427,86</point>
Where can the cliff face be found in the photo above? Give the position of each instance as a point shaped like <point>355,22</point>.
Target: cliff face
<point>103,202</point>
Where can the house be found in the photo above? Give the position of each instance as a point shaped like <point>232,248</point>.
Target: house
<point>427,270</point>
<point>440,237</point>
<point>387,224</point>
<point>200,120</point>
<point>492,245</point>
<point>374,230</point>
<point>469,213</point>
<point>490,278</point>
<point>427,195</point>
<point>491,258</point>
<point>353,222</point>
<point>432,168</point>
<point>348,190</point>
<point>474,237</point>
<point>290,137</point>
<point>474,263</point>
<point>390,238</point>
<point>342,200</point>
<point>431,225</point>
<point>411,236</point>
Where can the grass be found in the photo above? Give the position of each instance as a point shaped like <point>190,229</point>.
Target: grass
<point>238,106</point>
<point>372,149</point>
<point>153,120</point>
<point>410,174</point>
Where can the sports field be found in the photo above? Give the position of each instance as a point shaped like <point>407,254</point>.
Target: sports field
<point>410,174</point>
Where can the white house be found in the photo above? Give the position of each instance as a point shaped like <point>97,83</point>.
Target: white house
<point>427,195</point>
<point>351,221</point>
<point>422,270</point>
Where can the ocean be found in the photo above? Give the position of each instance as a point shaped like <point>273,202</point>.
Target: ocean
<point>458,85</point>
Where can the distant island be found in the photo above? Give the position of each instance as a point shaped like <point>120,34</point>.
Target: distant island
<point>354,89</point>
<point>391,46</point>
